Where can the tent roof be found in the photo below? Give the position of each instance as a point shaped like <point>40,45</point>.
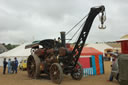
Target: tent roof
<point>18,51</point>
<point>114,45</point>
<point>123,38</point>
<point>21,51</point>
<point>100,47</point>
<point>89,51</point>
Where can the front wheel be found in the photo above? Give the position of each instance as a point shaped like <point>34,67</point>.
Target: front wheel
<point>33,66</point>
<point>77,72</point>
<point>56,73</point>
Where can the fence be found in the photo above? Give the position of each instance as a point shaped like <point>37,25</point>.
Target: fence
<point>87,71</point>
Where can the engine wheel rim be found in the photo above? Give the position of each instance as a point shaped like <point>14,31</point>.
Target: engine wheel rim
<point>55,74</point>
<point>31,67</point>
<point>77,72</point>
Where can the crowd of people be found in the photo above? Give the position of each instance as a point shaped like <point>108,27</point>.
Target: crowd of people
<point>12,66</point>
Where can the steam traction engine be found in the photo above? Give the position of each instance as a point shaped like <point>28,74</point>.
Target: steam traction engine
<point>53,58</point>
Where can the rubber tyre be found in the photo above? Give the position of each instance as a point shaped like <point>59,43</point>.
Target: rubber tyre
<point>19,68</point>
<point>22,69</point>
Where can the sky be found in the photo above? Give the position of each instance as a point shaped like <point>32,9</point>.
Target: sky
<point>24,21</point>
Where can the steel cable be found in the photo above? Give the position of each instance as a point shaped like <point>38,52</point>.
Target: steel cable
<point>76,24</point>
<point>76,32</point>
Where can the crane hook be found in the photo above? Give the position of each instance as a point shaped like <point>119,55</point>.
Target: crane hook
<point>102,19</point>
<point>102,26</point>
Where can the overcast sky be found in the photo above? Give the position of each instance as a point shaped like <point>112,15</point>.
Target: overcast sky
<point>28,20</point>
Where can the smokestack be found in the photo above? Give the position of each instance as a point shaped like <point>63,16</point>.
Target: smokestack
<point>62,38</point>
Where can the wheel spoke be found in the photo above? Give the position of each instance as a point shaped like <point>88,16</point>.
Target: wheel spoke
<point>77,72</point>
<point>56,73</point>
<point>31,66</point>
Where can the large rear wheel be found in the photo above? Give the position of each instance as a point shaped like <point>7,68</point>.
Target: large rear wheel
<point>33,66</point>
<point>56,73</point>
<point>77,72</point>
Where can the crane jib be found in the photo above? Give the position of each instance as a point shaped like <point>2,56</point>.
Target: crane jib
<point>85,31</point>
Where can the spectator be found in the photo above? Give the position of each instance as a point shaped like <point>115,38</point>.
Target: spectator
<point>16,65</point>
<point>114,67</point>
<point>9,66</point>
<point>13,65</point>
<point>4,65</point>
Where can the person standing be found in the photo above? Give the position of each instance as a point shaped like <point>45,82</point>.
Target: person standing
<point>114,67</point>
<point>9,66</point>
<point>16,65</point>
<point>4,65</point>
<point>13,65</point>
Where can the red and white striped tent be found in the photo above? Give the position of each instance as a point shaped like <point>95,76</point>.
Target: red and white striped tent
<point>91,61</point>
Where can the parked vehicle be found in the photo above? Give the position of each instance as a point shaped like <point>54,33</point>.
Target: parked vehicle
<point>123,69</point>
<point>23,64</point>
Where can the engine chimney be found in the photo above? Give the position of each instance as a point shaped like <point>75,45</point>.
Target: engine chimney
<point>62,38</point>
